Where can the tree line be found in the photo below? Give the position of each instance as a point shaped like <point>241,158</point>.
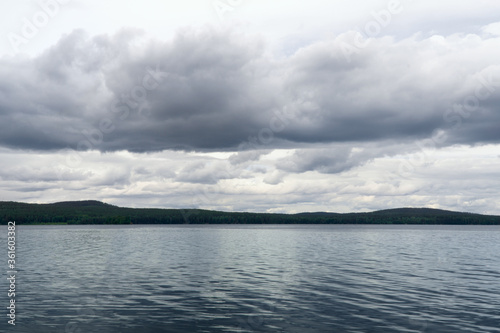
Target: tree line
<point>95,212</point>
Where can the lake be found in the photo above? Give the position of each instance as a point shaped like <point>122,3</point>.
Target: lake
<point>255,278</point>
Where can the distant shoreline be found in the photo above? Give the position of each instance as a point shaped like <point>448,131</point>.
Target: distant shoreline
<point>99,213</point>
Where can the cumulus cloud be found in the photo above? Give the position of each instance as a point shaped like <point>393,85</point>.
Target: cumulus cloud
<point>274,178</point>
<point>441,178</point>
<point>210,90</point>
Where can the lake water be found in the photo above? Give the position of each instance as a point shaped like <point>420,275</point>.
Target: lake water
<point>333,278</point>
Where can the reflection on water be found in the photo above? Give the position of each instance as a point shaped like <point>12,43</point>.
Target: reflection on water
<point>257,279</point>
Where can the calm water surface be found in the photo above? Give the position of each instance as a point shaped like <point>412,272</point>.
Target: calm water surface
<point>333,278</point>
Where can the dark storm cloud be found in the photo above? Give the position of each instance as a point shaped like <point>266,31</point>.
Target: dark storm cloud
<point>390,90</point>
<point>215,90</point>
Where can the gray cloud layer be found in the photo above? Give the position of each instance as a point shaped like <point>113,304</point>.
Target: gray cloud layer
<point>215,90</point>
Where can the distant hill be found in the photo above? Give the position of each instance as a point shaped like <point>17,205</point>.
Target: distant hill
<point>418,211</point>
<point>96,212</point>
<point>84,203</point>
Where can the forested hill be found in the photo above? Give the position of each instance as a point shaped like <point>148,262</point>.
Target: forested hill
<point>95,212</point>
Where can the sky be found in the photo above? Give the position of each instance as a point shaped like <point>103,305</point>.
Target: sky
<point>279,106</point>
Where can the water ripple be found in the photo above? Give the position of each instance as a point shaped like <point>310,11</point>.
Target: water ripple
<point>258,279</point>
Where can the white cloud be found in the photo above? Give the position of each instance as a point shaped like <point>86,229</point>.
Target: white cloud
<point>492,29</point>
<point>458,178</point>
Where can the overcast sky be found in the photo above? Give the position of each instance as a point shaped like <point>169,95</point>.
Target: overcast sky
<point>252,105</point>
